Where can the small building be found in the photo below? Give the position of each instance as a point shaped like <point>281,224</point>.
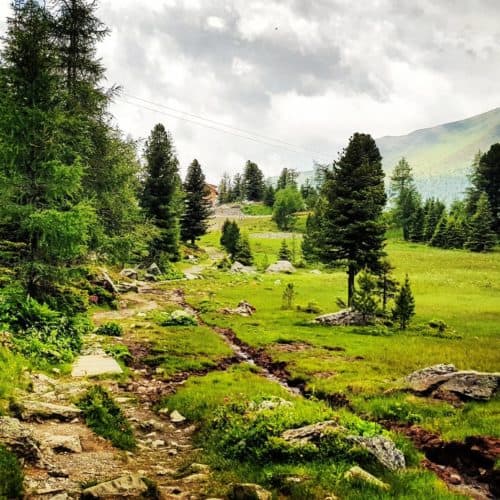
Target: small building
<point>212,194</point>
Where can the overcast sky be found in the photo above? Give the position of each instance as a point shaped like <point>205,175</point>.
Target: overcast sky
<point>308,72</point>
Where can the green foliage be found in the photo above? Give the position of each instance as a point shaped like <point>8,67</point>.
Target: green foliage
<point>309,242</point>
<point>311,308</point>
<point>481,236</point>
<point>433,210</point>
<point>287,203</point>
<point>439,238</point>
<point>230,235</point>
<point>178,318</point>
<point>284,253</point>
<point>287,178</point>
<point>197,207</point>
<point>386,283</point>
<point>269,196</point>
<point>120,352</point>
<point>253,182</point>
<point>106,419</point>
<point>242,251</point>
<point>365,299</point>
<point>488,181</point>
<point>404,305</point>
<point>110,329</point>
<point>309,194</point>
<point>11,476</point>
<point>288,296</point>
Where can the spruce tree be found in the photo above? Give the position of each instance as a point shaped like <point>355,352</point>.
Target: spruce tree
<point>433,211</point>
<point>253,182</point>
<point>238,188</point>
<point>230,234</point>
<point>481,237</point>
<point>455,231</point>
<point>417,223</point>
<point>242,251</point>
<point>269,195</point>
<point>386,283</point>
<point>161,196</point>
<point>365,300</point>
<point>197,209</point>
<point>225,189</point>
<point>350,227</point>
<point>404,305</point>
<point>287,178</point>
<point>310,238</point>
<point>488,181</point>
<point>440,237</point>
<point>284,252</point>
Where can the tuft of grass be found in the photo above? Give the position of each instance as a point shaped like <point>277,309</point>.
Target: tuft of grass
<point>110,329</point>
<point>11,476</point>
<point>106,419</point>
<point>12,367</point>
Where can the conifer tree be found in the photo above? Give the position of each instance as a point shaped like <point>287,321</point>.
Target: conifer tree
<point>417,223</point>
<point>350,228</point>
<point>386,283</point>
<point>237,188</point>
<point>197,207</point>
<point>481,237</point>
<point>284,253</point>
<point>230,235</point>
<point>253,182</point>
<point>365,300</point>
<point>269,195</point>
<point>310,238</point>
<point>161,197</point>
<point>488,181</point>
<point>225,189</point>
<point>287,178</point>
<point>433,211</point>
<point>455,231</point>
<point>404,305</point>
<point>439,238</point>
<point>242,251</point>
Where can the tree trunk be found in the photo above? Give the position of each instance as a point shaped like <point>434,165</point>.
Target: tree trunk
<point>351,274</point>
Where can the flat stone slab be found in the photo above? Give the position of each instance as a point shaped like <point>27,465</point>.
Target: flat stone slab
<point>94,364</point>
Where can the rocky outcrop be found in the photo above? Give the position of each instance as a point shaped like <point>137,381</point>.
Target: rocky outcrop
<point>95,364</point>
<point>20,440</point>
<point>131,274</point>
<point>244,309</point>
<point>383,449</point>
<point>239,268</point>
<point>358,474</point>
<point>444,380</point>
<point>62,444</point>
<point>249,491</point>
<point>128,287</point>
<point>282,266</point>
<point>129,486</point>
<point>154,270</point>
<point>39,410</point>
<point>177,418</point>
<point>346,317</point>
<point>311,433</point>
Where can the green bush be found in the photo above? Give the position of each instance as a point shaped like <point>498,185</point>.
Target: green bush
<point>120,352</point>
<point>170,272</point>
<point>11,476</point>
<point>106,419</point>
<point>310,308</point>
<point>178,318</point>
<point>110,329</point>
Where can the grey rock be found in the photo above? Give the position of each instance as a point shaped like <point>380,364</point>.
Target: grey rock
<point>129,273</point>
<point>346,317</point>
<point>383,449</point>
<point>357,473</point>
<point>282,266</point>
<point>154,270</point>
<point>129,486</point>
<point>128,287</point>
<point>176,417</point>
<point>429,378</point>
<point>311,433</point>
<point>38,410</point>
<point>244,309</point>
<point>239,268</point>
<point>95,364</point>
<point>249,491</point>
<point>69,444</point>
<point>20,440</point>
<point>273,403</point>
<point>472,385</point>
<point>107,282</point>
<point>42,384</point>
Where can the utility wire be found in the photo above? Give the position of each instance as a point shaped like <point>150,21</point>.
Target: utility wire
<point>253,136</point>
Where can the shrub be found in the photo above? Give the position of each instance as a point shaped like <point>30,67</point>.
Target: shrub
<point>310,308</point>
<point>178,318</point>
<point>242,251</point>
<point>170,272</point>
<point>120,352</point>
<point>404,305</point>
<point>11,475</point>
<point>106,419</point>
<point>288,296</point>
<point>284,252</point>
<point>110,329</point>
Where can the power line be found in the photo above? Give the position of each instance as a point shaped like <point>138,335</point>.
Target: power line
<point>253,136</point>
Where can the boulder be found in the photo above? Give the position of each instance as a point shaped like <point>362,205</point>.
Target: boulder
<point>106,282</point>
<point>20,440</point>
<point>128,287</point>
<point>69,444</point>
<point>238,267</point>
<point>359,474</point>
<point>249,491</point>
<point>129,486</point>
<point>192,276</point>
<point>176,417</point>
<point>244,309</point>
<point>39,410</point>
<point>383,449</point>
<point>272,404</point>
<point>154,270</point>
<point>346,317</point>
<point>429,378</point>
<point>282,266</point>
<point>41,384</point>
<point>95,364</point>
<point>311,433</point>
<point>150,277</point>
<point>129,273</point>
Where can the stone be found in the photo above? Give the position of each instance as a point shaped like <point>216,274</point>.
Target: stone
<point>346,317</point>
<point>272,404</point>
<point>128,288</point>
<point>60,496</point>
<point>19,439</point>
<point>154,270</point>
<point>158,443</point>
<point>150,277</point>
<point>42,384</point>
<point>196,478</point>
<point>38,410</point>
<point>383,449</point>
<point>129,273</point>
<point>70,444</point>
<point>95,364</point>
<point>107,282</point>
<point>249,491</point>
<point>176,417</point>
<point>238,267</point>
<point>472,385</point>
<point>129,486</point>
<point>311,433</point>
<point>244,309</point>
<point>192,276</point>
<point>428,378</point>
<point>282,266</point>
<point>357,473</point>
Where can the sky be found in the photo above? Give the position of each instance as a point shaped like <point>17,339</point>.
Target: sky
<point>308,73</point>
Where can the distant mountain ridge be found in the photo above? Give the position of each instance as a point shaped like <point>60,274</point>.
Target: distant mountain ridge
<point>440,156</point>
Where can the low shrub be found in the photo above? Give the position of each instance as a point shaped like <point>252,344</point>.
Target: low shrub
<point>11,476</point>
<point>120,352</point>
<point>106,419</point>
<point>110,329</point>
<point>178,318</point>
<point>437,328</point>
<point>310,308</point>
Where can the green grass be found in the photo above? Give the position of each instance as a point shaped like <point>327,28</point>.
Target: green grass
<point>12,368</point>
<point>106,419</point>
<point>256,209</point>
<point>11,476</point>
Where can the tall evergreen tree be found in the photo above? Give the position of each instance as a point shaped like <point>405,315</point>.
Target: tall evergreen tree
<point>161,195</point>
<point>230,234</point>
<point>310,238</point>
<point>238,191</point>
<point>386,283</point>
<point>197,206</point>
<point>288,177</point>
<point>481,237</point>
<point>473,192</point>
<point>417,221</point>
<point>269,195</point>
<point>225,189</point>
<point>351,230</point>
<point>433,211</point>
<point>404,195</point>
<point>404,306</point>
<point>284,252</point>
<point>253,182</point>
<point>440,236</point>
<point>488,181</point>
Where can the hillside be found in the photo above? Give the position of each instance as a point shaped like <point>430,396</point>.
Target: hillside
<point>440,155</point>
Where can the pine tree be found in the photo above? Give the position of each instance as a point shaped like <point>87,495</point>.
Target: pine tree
<point>455,231</point>
<point>287,178</point>
<point>309,240</point>
<point>417,222</point>
<point>488,181</point>
<point>433,211</point>
<point>269,195</point>
<point>230,235</point>
<point>481,236</point>
<point>404,306</point>
<point>242,251</point>
<point>238,189</point>
<point>197,208</point>
<point>284,253</point>
<point>225,189</point>
<point>473,192</point>
<point>350,228</point>
<point>161,197</point>
<point>440,237</point>
<point>386,283</point>
<point>365,300</point>
<point>253,182</point>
